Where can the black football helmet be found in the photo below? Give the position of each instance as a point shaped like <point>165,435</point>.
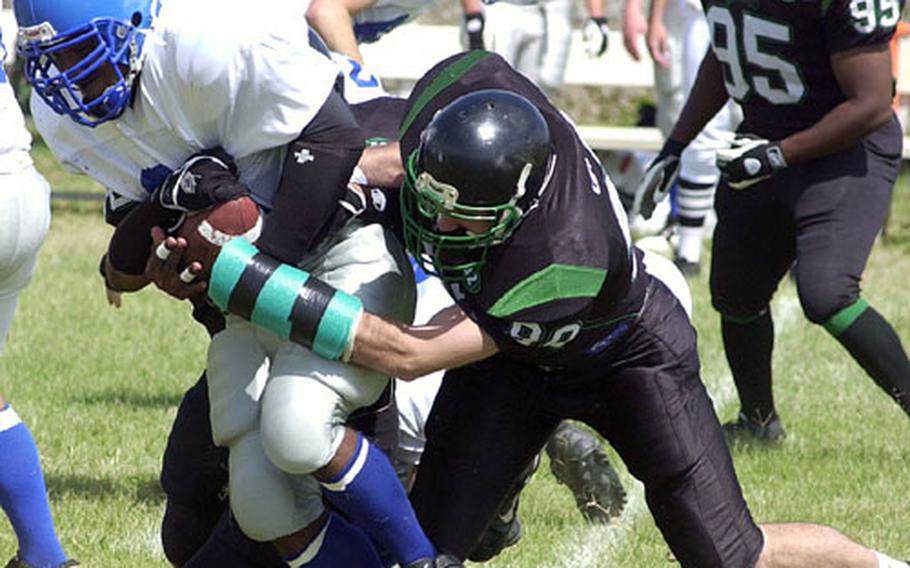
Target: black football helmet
<point>483,157</point>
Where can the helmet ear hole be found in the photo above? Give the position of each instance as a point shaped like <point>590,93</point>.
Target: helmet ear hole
<point>136,20</point>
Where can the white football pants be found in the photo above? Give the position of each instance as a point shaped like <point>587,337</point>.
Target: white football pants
<point>280,408</point>
<point>535,38</point>
<point>25,217</point>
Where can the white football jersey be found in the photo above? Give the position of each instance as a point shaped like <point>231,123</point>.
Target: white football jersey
<point>384,16</point>
<point>15,140</point>
<point>246,80</point>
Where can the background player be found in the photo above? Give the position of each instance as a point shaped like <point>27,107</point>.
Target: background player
<point>534,35</point>
<point>806,183</point>
<point>677,39</point>
<point>24,220</point>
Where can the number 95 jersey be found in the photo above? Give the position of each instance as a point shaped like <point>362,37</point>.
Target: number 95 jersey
<point>776,54</point>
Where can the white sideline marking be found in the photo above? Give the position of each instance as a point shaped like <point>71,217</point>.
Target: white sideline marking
<point>595,545</point>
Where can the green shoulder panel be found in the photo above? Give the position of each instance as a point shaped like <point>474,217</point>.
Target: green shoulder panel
<point>825,4</point>
<point>555,282</point>
<point>446,77</point>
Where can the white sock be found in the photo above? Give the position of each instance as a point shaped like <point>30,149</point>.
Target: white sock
<point>689,247</point>
<point>885,561</point>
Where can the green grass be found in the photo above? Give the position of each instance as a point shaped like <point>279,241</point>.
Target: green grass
<point>99,388</point>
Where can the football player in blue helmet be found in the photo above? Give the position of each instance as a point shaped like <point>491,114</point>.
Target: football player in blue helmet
<point>255,87</point>
<point>83,57</point>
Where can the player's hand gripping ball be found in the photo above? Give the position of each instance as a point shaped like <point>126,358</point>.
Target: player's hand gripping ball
<point>207,231</point>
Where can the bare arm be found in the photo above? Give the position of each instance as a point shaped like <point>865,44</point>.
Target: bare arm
<point>707,96</point>
<point>449,340</point>
<point>334,21</point>
<point>658,45</point>
<point>864,75</point>
<point>472,6</point>
<point>633,27</point>
<point>595,8</point>
<point>381,165</point>
<point>118,281</point>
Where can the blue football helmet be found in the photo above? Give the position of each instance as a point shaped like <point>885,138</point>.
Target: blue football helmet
<point>102,33</point>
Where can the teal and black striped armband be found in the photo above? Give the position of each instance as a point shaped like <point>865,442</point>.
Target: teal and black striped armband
<point>284,300</point>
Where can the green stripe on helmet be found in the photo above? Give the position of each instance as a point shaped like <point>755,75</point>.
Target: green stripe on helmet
<point>445,78</point>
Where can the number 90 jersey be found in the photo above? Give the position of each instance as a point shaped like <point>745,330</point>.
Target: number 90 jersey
<point>566,285</point>
<point>776,54</point>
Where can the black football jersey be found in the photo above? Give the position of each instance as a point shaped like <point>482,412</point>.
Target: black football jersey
<point>567,283</point>
<point>776,54</point>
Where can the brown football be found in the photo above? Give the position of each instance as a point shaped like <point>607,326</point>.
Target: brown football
<point>207,231</point>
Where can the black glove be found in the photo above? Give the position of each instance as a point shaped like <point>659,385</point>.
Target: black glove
<point>596,35</point>
<point>658,178</point>
<point>204,180</point>
<point>749,160</point>
<point>473,27</point>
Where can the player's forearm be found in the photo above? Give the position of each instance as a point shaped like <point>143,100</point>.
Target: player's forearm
<point>381,165</point>
<point>471,6</point>
<point>631,8</point>
<point>595,8</point>
<point>865,78</point>
<point>128,250</point>
<point>297,306</point>
<point>707,96</point>
<point>409,352</point>
<point>656,13</point>
<point>118,281</point>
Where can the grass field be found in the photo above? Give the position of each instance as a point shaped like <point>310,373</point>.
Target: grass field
<point>99,388</point>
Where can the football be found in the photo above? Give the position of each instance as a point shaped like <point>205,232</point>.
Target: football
<point>207,231</point>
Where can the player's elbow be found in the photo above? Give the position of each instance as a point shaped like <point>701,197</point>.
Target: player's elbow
<point>409,365</point>
<point>411,360</point>
<point>873,110</point>
<point>319,10</point>
<point>880,115</point>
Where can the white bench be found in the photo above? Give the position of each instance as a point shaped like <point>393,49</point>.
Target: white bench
<point>408,52</point>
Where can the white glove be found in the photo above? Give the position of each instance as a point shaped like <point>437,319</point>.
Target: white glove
<point>749,160</point>
<point>596,35</point>
<point>658,179</point>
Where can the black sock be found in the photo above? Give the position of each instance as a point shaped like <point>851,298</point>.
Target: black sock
<point>876,347</point>
<point>748,347</point>
<point>228,547</point>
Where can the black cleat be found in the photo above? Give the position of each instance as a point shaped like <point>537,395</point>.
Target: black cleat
<point>505,530</point>
<point>578,461</point>
<point>16,562</point>
<point>501,534</point>
<point>769,430</point>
